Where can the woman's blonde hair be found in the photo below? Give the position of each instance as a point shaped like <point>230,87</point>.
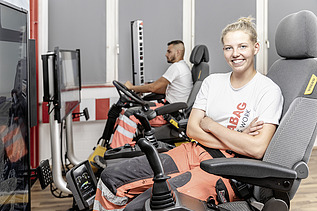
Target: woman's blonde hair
<point>242,24</point>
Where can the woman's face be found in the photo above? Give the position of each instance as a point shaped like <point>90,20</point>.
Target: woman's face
<point>239,51</point>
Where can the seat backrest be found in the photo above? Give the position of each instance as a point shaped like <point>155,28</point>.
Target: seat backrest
<point>199,57</point>
<point>296,74</point>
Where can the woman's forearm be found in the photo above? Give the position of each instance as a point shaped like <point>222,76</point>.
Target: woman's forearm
<point>195,132</point>
<point>253,146</point>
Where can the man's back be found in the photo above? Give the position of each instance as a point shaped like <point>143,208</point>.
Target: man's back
<point>180,78</point>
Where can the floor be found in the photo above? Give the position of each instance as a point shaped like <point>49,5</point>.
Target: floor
<point>304,200</point>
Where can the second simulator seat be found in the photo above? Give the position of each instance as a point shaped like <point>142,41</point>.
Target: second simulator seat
<point>200,70</point>
<point>199,58</point>
<point>164,134</point>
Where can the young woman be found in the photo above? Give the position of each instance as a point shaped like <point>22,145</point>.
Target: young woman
<point>236,113</point>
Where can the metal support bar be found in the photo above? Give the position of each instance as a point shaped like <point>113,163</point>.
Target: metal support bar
<point>69,141</point>
<point>56,156</point>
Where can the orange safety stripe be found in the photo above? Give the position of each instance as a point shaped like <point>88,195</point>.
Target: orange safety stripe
<point>120,140</point>
<point>11,134</point>
<point>14,143</point>
<point>16,150</point>
<point>126,126</point>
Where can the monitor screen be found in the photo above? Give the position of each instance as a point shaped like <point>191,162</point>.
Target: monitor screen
<point>14,103</point>
<point>82,182</point>
<point>67,82</point>
<point>85,183</point>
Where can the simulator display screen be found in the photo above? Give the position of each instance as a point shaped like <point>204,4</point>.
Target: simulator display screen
<point>70,82</point>
<point>85,183</point>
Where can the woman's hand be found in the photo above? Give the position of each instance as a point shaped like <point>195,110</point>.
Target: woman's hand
<point>197,129</point>
<point>205,123</point>
<point>254,127</point>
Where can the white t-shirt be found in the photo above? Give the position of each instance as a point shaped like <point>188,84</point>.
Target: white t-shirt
<point>236,108</point>
<point>181,83</point>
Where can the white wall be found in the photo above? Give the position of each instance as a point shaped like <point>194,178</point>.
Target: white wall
<point>85,134</point>
<point>85,137</point>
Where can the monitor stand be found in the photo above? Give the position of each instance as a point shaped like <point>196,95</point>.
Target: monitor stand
<point>56,150</point>
<point>69,141</point>
<point>56,147</point>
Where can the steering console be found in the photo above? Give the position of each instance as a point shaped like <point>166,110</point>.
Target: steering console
<point>127,95</point>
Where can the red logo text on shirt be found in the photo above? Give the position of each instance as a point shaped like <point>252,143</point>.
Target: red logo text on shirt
<point>236,116</point>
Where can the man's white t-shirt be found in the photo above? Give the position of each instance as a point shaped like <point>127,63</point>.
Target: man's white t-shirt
<point>181,83</point>
<point>236,108</point>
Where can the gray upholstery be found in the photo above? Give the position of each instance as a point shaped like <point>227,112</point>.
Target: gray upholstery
<point>237,206</point>
<point>200,70</point>
<point>296,41</point>
<point>199,54</point>
<point>199,58</point>
<point>192,97</point>
<point>299,42</point>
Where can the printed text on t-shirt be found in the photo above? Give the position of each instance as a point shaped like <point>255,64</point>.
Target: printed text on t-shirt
<point>234,120</point>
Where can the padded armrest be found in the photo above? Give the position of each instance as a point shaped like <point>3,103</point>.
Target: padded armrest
<point>134,105</point>
<point>170,108</point>
<point>153,96</point>
<point>252,171</point>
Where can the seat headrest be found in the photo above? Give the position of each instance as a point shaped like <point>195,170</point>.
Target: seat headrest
<point>296,36</point>
<point>199,54</point>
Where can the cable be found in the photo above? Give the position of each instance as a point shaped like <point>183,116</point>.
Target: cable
<point>49,105</point>
<point>61,137</point>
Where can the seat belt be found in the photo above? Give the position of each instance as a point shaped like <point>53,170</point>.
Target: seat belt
<point>221,189</point>
<point>172,121</point>
<point>215,153</point>
<point>242,190</point>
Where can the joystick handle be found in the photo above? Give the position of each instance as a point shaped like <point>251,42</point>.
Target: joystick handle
<point>152,156</point>
<point>162,194</point>
<point>143,120</point>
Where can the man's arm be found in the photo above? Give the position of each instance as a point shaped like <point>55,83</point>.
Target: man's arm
<point>211,134</point>
<point>159,86</point>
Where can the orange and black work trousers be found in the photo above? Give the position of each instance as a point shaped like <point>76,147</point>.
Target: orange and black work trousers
<point>126,185</point>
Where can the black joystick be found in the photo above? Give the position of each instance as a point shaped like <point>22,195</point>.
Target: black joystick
<point>163,198</point>
<point>162,195</point>
<point>148,130</point>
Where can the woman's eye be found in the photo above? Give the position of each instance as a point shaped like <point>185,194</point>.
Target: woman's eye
<point>243,46</point>
<point>228,48</point>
